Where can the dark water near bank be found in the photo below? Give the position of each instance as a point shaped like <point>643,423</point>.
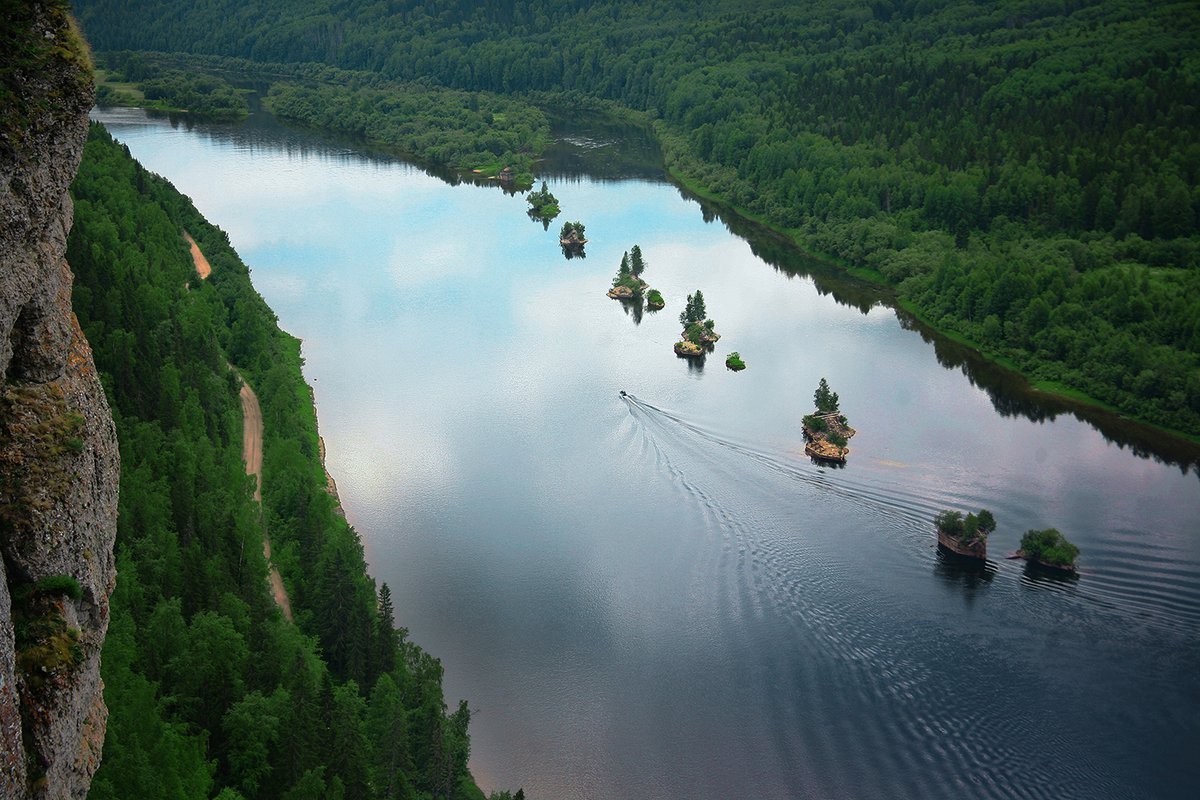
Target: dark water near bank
<point>660,596</point>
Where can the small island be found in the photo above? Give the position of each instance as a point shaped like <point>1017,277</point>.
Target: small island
<point>698,335</point>
<point>627,285</point>
<point>966,537</point>
<point>1050,549</point>
<point>543,206</point>
<point>734,362</point>
<point>826,431</point>
<point>572,239</point>
<point>655,301</point>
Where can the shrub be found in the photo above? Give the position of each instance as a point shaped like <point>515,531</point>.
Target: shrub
<point>59,584</point>
<point>949,523</point>
<point>1049,546</point>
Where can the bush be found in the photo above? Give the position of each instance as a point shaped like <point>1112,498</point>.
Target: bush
<point>1050,547</point>
<point>60,584</point>
<point>949,523</point>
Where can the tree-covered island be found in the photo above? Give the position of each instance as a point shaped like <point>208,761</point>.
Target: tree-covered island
<point>1049,548</point>
<point>826,430</point>
<point>964,536</point>
<point>572,240</point>
<point>626,285</point>
<point>699,333</point>
<point>543,206</point>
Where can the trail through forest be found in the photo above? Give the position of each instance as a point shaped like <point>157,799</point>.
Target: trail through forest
<point>203,268</point>
<point>252,436</point>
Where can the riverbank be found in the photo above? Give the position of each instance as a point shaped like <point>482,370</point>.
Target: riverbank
<point>1053,389</point>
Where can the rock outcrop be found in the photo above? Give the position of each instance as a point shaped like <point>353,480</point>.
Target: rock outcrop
<point>59,465</point>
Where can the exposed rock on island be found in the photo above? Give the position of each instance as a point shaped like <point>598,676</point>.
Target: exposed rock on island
<point>826,431</point>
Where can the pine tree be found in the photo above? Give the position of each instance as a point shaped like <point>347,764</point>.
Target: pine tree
<point>827,401</point>
<point>386,640</point>
<point>636,264</point>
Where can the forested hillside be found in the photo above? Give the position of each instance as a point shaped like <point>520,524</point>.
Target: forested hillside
<point>210,691</point>
<point>1024,172</point>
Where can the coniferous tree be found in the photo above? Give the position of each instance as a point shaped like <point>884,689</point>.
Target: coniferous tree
<point>826,400</point>
<point>636,264</point>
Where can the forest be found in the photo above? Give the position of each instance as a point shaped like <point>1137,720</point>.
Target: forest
<point>211,693</point>
<point>1023,173</point>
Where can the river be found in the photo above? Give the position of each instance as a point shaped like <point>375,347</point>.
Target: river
<point>659,595</point>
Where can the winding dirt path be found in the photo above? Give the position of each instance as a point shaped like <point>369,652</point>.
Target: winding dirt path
<point>252,438</point>
<point>203,268</point>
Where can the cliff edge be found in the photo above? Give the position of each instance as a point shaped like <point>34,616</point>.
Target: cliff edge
<point>59,465</point>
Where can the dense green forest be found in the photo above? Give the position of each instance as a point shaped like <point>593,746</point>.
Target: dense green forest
<point>472,132</point>
<point>1023,172</point>
<point>210,691</point>
<point>170,90</point>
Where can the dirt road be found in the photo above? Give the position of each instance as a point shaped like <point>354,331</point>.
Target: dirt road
<point>252,438</point>
<point>203,269</point>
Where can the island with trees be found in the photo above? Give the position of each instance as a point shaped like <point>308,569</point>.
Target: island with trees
<point>572,240</point>
<point>543,206</point>
<point>699,334</point>
<point>734,362</point>
<point>1048,548</point>
<point>626,285</point>
<point>964,536</point>
<point>826,431</point>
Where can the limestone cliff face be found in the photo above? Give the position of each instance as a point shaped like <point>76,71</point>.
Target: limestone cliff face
<point>58,452</point>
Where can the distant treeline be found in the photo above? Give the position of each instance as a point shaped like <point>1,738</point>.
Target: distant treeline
<point>1024,172</point>
<point>170,90</point>
<point>465,130</point>
<point>210,692</point>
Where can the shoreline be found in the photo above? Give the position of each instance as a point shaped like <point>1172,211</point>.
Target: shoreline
<point>330,483</point>
<point>1065,394</point>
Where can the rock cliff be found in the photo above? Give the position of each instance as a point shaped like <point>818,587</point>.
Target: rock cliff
<point>59,464</point>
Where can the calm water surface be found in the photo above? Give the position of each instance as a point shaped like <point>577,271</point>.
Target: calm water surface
<point>660,596</point>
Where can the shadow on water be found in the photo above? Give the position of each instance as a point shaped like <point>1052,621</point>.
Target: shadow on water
<point>968,574</point>
<point>634,307</point>
<point>261,130</point>
<point>594,146</point>
<point>533,215</point>
<point>1037,575</point>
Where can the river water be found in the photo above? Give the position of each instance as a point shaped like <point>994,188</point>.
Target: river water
<point>659,595</point>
